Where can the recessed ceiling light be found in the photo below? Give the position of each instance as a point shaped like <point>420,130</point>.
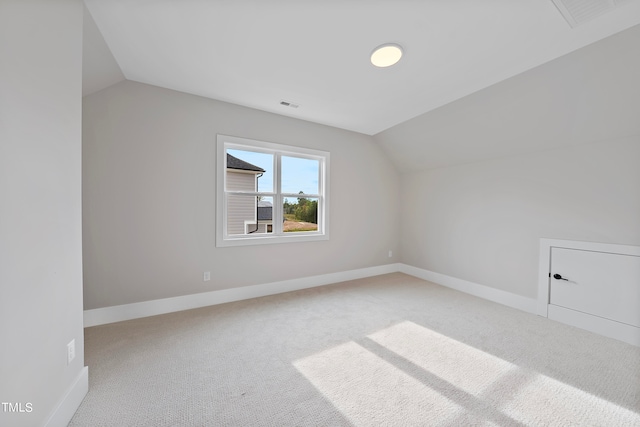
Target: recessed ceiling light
<point>386,55</point>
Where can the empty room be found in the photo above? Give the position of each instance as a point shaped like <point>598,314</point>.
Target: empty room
<point>338,213</point>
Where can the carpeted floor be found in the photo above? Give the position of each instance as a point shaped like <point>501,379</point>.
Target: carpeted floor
<point>391,350</point>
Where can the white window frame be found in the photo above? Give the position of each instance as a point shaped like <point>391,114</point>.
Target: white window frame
<point>223,239</point>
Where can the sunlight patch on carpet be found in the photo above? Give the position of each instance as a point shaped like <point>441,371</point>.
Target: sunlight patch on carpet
<point>549,400</point>
<point>370,391</point>
<point>410,374</point>
<point>447,358</point>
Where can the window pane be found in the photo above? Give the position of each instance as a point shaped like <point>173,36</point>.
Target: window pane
<point>249,171</point>
<point>242,211</point>
<point>257,181</point>
<point>265,216</point>
<point>300,214</point>
<point>300,175</point>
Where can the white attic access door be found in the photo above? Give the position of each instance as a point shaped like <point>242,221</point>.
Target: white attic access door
<point>594,286</point>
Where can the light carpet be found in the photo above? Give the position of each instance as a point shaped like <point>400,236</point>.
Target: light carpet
<point>390,350</point>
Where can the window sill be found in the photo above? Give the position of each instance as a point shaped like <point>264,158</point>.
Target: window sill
<point>264,240</point>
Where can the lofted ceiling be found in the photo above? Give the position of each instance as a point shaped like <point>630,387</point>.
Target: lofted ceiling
<point>591,95</point>
<point>315,54</point>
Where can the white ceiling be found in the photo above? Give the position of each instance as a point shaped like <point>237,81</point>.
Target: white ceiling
<point>591,95</point>
<point>257,53</point>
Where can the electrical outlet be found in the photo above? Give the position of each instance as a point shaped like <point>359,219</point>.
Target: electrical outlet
<point>207,276</point>
<point>390,254</point>
<point>71,351</point>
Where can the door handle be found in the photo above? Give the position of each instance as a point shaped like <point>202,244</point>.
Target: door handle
<point>559,277</point>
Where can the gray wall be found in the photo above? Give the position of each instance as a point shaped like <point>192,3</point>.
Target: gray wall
<point>482,222</point>
<point>149,198</point>
<point>553,152</point>
<point>40,214</point>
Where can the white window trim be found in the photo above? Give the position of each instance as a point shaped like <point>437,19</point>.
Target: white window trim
<point>223,239</point>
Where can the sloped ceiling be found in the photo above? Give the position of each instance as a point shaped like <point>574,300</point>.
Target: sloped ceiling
<point>588,96</point>
<point>316,54</point>
<point>99,67</point>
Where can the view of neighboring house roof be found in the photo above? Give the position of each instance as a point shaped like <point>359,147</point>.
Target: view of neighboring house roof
<point>236,163</point>
<point>265,211</point>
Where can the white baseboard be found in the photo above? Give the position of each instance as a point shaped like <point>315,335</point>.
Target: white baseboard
<point>599,325</point>
<point>71,401</point>
<point>118,313</point>
<point>492,294</point>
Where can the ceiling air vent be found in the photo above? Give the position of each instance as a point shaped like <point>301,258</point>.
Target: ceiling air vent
<point>289,104</point>
<point>577,12</point>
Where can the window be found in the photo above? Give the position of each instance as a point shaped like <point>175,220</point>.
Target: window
<point>270,193</point>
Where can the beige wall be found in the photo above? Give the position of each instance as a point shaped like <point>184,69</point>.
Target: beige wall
<point>149,198</point>
<point>40,213</point>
